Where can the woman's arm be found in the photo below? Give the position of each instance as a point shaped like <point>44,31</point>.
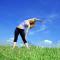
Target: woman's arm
<point>27,30</point>
<point>41,21</point>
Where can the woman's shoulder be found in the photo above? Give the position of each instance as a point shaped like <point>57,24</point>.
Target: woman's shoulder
<point>26,21</point>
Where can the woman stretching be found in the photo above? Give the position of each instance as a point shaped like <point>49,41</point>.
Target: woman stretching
<point>20,29</point>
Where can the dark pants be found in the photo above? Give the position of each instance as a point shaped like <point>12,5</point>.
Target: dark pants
<point>21,32</point>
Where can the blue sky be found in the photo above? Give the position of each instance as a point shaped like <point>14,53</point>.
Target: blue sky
<point>13,12</point>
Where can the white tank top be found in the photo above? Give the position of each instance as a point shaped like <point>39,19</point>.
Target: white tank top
<point>24,24</point>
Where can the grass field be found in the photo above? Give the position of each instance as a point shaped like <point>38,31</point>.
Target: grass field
<point>34,53</point>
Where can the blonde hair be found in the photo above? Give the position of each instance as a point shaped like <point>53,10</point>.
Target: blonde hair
<point>32,23</point>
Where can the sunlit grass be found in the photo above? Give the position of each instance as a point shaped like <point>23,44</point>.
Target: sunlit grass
<point>34,53</point>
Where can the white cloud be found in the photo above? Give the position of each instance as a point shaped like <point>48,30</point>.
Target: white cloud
<point>42,28</point>
<point>58,43</point>
<point>48,41</point>
<point>10,40</point>
<point>20,44</point>
<point>51,17</point>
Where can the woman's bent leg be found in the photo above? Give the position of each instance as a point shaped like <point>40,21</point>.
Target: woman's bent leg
<point>22,33</point>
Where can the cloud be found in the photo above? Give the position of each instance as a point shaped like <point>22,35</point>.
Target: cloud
<point>51,17</point>
<point>10,40</point>
<point>42,28</point>
<point>48,20</point>
<point>48,41</point>
<point>58,43</point>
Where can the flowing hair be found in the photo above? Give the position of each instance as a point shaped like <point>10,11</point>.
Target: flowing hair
<point>32,23</point>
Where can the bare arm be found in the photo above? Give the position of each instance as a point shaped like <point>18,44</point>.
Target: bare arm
<point>27,30</point>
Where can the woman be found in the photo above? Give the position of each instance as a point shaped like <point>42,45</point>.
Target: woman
<point>20,29</point>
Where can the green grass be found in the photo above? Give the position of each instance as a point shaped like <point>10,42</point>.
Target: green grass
<point>34,53</point>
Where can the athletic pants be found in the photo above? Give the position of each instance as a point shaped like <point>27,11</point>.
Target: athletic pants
<point>22,34</point>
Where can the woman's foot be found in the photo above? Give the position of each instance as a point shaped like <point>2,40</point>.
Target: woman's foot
<point>27,46</point>
<point>14,44</point>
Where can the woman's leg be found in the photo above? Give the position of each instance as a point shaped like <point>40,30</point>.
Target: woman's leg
<point>22,33</point>
<point>16,33</point>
